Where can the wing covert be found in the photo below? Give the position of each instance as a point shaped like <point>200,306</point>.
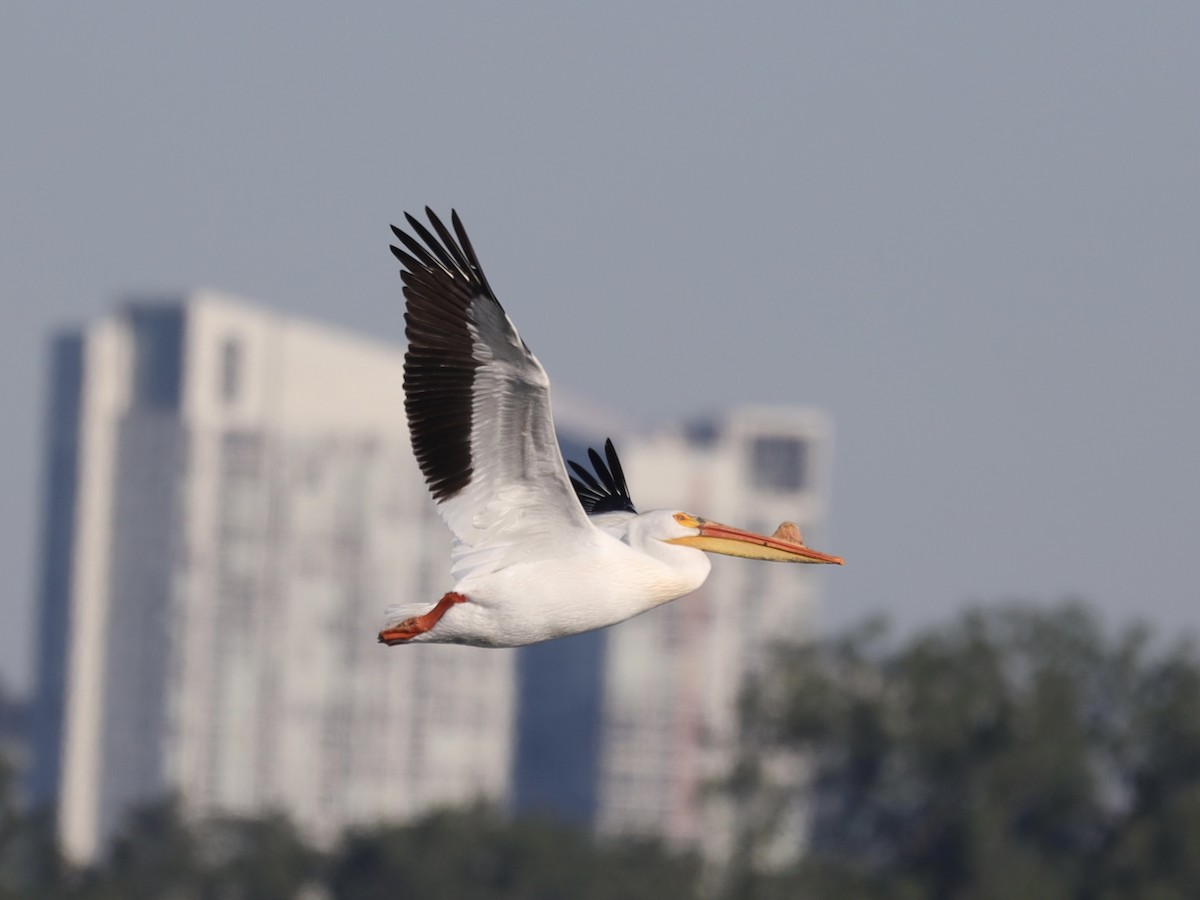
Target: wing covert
<point>478,405</point>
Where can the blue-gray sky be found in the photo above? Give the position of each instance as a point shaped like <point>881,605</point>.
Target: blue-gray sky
<point>970,232</point>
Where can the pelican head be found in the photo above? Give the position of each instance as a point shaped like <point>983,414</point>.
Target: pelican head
<point>785,545</point>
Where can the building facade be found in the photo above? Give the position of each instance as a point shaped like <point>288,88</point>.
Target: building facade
<point>630,727</point>
<point>232,503</point>
<point>674,676</point>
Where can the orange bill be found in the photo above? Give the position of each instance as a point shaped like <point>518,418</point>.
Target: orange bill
<point>717,538</point>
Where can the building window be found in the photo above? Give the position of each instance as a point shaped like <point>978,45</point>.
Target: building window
<point>231,370</point>
<point>158,348</point>
<point>701,432</point>
<point>778,463</point>
<point>242,453</point>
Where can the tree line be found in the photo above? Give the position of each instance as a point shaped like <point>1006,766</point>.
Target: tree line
<point>1012,752</point>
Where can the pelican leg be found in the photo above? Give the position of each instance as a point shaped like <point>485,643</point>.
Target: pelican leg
<point>405,631</point>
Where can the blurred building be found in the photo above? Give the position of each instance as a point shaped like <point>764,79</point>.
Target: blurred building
<point>230,503</point>
<point>630,727</point>
<point>675,675</point>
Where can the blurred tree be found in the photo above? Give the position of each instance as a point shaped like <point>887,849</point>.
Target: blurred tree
<point>1011,753</point>
<point>10,835</point>
<point>156,855</point>
<point>475,853</point>
<point>160,855</point>
<point>463,854</point>
<point>30,862</point>
<point>1017,752</point>
<point>255,859</point>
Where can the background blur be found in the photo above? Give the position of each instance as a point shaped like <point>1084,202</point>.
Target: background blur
<point>969,235</point>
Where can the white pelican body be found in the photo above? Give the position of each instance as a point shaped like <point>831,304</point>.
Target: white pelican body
<point>529,561</point>
<point>601,582</point>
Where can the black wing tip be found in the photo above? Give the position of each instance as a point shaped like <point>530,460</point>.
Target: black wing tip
<point>441,282</point>
<point>442,249</point>
<point>606,491</point>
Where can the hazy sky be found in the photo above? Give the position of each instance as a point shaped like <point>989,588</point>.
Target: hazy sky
<point>971,234</point>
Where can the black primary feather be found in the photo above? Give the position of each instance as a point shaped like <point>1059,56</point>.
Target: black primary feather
<point>442,282</point>
<point>606,491</point>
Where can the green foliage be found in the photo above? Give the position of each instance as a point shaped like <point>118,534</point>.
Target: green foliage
<point>460,854</point>
<point>1013,753</point>
<point>10,836</point>
<point>161,855</point>
<point>30,863</point>
<point>475,854</point>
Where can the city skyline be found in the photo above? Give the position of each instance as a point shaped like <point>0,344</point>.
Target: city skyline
<point>966,232</point>
<point>231,508</point>
<point>242,508</point>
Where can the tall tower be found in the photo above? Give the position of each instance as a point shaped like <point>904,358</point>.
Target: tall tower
<point>232,501</point>
<point>673,676</point>
<point>626,728</point>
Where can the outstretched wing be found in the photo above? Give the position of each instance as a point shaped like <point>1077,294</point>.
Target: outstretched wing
<point>478,405</point>
<point>606,491</point>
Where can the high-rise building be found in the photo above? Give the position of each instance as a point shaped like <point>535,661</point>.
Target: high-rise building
<point>629,728</point>
<point>674,676</point>
<point>231,502</point>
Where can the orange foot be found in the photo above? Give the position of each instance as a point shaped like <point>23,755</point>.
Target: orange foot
<point>403,632</point>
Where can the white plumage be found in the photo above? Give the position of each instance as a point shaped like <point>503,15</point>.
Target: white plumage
<point>529,561</point>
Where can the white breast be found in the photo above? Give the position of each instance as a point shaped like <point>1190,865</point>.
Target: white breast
<point>549,598</point>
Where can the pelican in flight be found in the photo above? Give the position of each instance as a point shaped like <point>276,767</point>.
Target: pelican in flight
<point>537,554</point>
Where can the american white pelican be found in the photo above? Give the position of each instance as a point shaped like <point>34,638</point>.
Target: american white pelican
<point>529,561</point>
